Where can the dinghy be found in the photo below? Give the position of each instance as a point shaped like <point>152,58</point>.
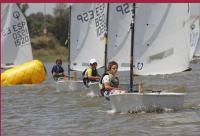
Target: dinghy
<point>86,42</point>
<point>158,33</point>
<point>137,102</point>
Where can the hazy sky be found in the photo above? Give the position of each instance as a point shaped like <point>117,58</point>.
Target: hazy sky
<point>40,7</point>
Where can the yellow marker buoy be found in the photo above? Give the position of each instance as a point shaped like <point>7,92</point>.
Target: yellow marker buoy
<point>32,72</point>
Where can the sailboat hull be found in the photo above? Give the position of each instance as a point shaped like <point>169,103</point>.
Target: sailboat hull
<point>135,102</point>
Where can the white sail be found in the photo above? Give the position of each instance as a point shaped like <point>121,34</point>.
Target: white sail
<point>88,25</point>
<point>195,14</point>
<point>194,36</point>
<point>15,41</point>
<point>197,50</point>
<point>195,9</point>
<point>119,34</point>
<point>161,32</point>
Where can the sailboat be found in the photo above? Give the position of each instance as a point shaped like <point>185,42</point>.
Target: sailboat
<point>86,41</point>
<point>16,56</point>
<point>158,33</point>
<point>15,41</point>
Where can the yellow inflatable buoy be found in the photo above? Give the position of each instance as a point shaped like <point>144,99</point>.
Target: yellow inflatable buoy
<point>32,72</point>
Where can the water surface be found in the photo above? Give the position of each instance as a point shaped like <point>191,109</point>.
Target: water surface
<point>40,110</point>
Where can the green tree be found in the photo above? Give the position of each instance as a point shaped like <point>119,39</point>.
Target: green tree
<point>37,22</point>
<point>61,13</point>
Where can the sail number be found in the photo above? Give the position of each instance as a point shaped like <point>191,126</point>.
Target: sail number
<point>6,31</point>
<point>20,34</point>
<point>98,15</point>
<point>123,9</point>
<point>20,39</point>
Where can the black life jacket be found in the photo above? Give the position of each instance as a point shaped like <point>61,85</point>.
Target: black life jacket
<point>114,81</point>
<point>94,72</point>
<point>85,79</point>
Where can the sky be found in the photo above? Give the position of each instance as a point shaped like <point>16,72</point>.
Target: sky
<point>40,7</point>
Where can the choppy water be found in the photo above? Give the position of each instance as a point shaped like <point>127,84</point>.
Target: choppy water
<point>40,110</point>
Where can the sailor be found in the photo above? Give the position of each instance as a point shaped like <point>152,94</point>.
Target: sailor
<point>91,74</point>
<point>57,70</point>
<point>109,84</point>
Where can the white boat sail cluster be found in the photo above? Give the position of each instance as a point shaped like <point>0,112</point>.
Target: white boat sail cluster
<point>161,32</point>
<point>15,41</point>
<point>165,39</point>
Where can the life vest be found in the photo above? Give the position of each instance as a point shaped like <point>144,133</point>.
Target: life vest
<point>94,72</point>
<point>85,77</point>
<point>57,69</point>
<point>113,81</point>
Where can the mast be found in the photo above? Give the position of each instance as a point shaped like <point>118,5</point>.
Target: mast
<point>106,39</point>
<point>69,31</point>
<point>45,24</point>
<point>132,47</point>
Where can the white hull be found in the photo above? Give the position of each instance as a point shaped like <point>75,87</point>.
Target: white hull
<point>7,67</point>
<point>77,85</point>
<point>134,102</point>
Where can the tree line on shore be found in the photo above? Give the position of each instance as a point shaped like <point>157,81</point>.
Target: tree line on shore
<point>48,32</point>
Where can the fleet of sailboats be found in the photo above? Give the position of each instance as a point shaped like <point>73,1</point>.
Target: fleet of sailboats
<point>161,31</point>
<point>145,39</point>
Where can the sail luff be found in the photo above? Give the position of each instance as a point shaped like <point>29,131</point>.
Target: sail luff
<point>69,42</point>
